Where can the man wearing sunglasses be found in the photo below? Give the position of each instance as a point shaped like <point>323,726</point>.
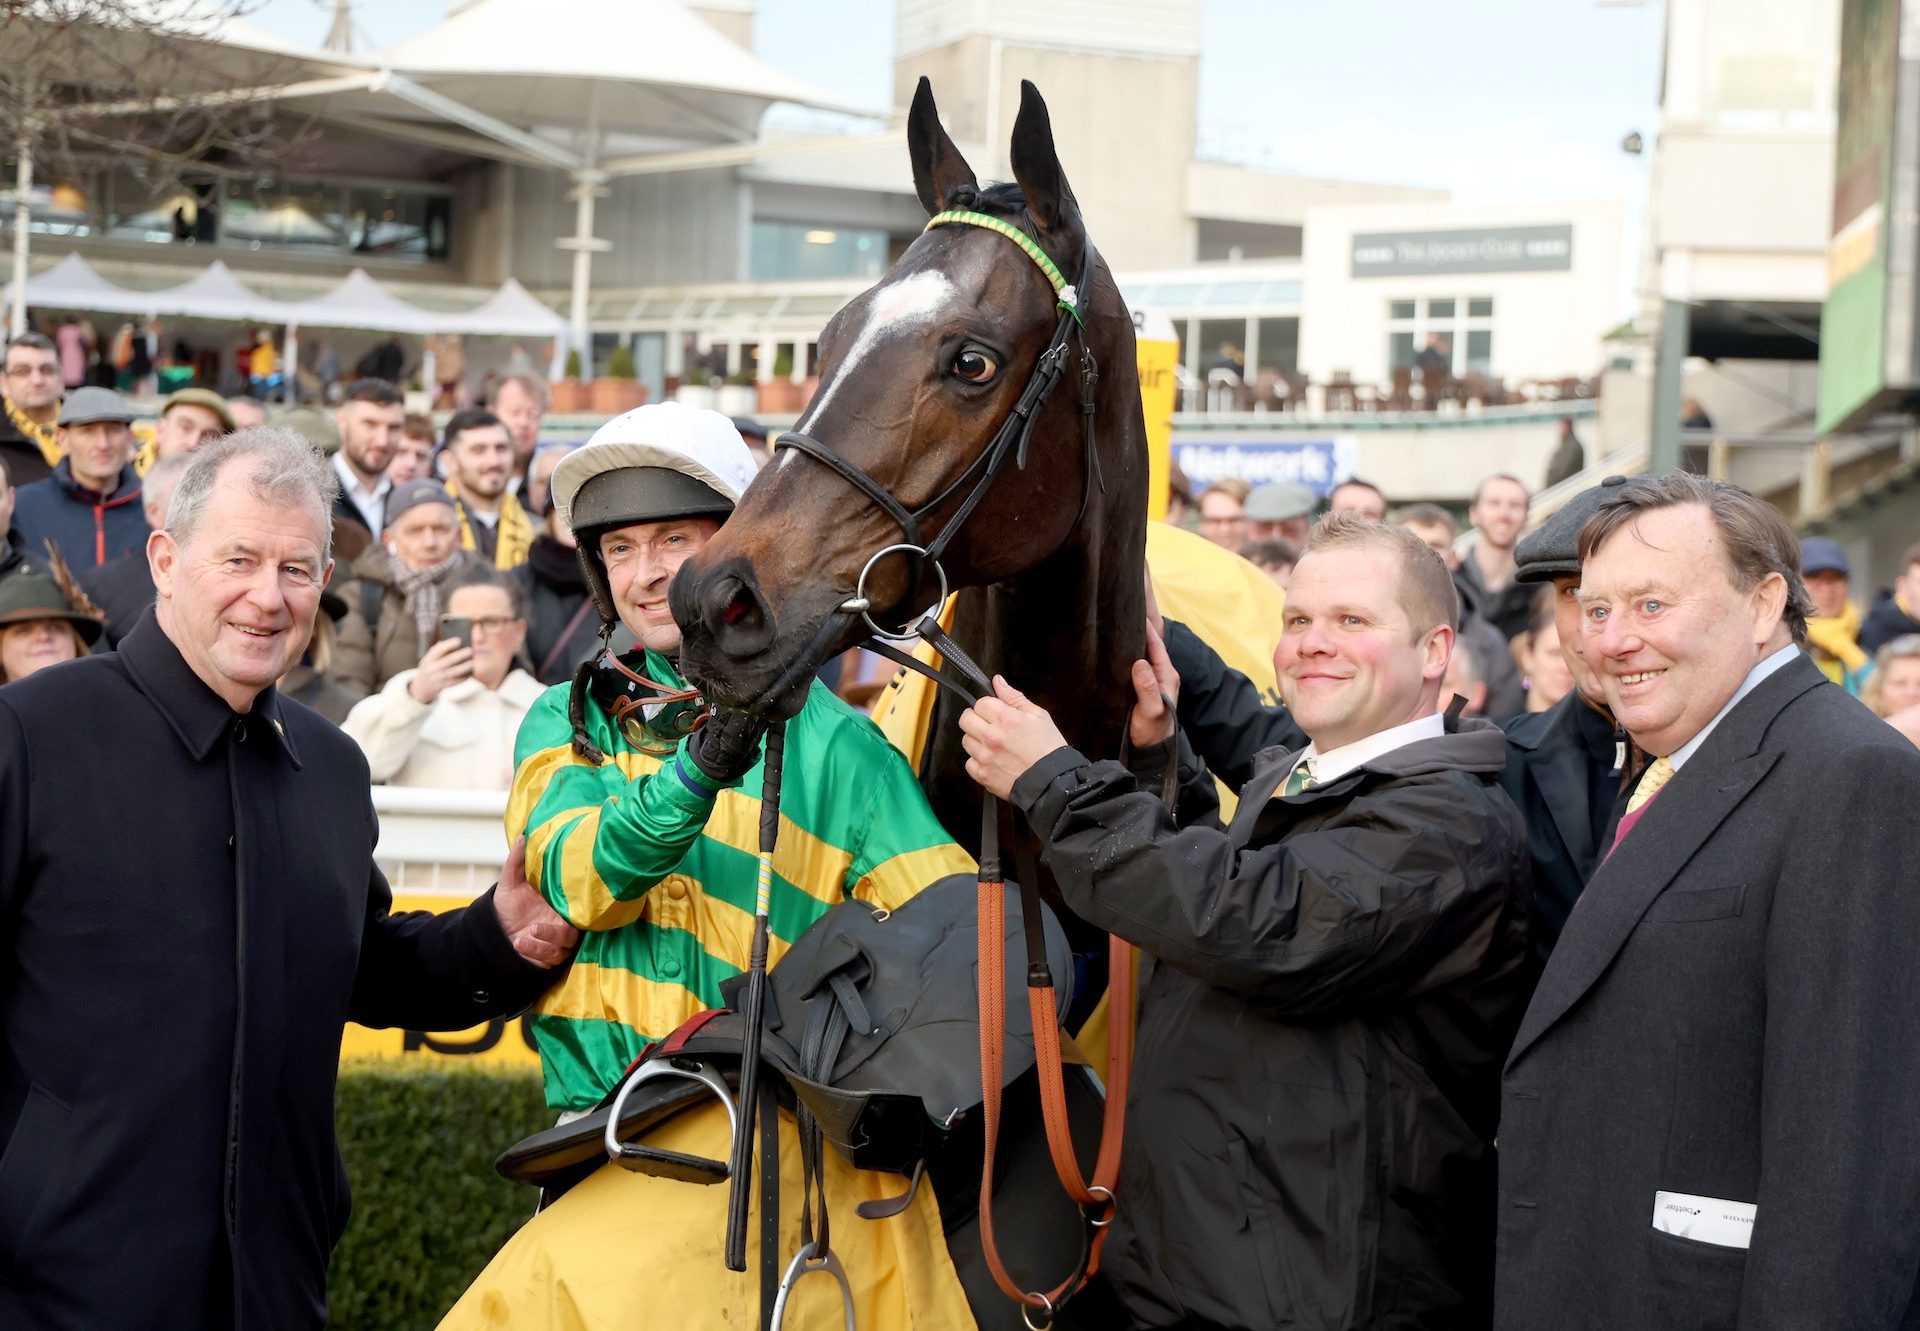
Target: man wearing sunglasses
<point>29,415</point>
<point>644,835</point>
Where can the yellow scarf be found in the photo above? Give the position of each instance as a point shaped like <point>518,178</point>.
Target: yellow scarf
<point>43,436</point>
<point>1834,640</point>
<point>513,534</point>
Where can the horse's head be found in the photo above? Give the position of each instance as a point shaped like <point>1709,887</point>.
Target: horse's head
<point>919,375</point>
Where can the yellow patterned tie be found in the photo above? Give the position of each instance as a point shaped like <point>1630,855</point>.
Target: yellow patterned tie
<point>1299,779</point>
<point>1658,773</point>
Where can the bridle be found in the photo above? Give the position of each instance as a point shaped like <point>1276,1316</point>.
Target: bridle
<point>1008,445</point>
<point>963,676</point>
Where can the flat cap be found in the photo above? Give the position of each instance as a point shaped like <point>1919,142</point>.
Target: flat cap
<point>1276,501</point>
<point>200,397</point>
<point>88,406</point>
<point>1552,550</point>
<point>412,494</point>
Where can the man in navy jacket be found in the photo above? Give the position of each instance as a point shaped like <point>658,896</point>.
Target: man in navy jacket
<point>90,507</point>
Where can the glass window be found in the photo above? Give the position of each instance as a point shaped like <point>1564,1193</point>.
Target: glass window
<point>1440,309</point>
<point>184,212</point>
<point>781,251</point>
<point>1480,351</point>
<point>1769,62</point>
<point>1400,309</point>
<point>395,223</point>
<point>285,216</point>
<point>1233,293</point>
<point>1223,346</point>
<point>1480,307</point>
<point>1175,296</point>
<point>1399,351</point>
<point>1279,345</point>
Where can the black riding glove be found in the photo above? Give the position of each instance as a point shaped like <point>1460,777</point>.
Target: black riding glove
<point>727,746</point>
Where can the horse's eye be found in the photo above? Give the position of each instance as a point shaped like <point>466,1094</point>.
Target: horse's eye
<point>975,366</point>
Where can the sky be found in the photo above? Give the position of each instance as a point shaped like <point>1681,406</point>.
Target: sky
<point>1496,100</point>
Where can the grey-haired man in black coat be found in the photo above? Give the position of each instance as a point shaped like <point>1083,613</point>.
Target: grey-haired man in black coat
<point>1708,1116</point>
<point>180,961</point>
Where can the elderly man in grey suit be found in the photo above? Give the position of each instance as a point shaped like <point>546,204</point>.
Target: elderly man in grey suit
<point>1711,1114</point>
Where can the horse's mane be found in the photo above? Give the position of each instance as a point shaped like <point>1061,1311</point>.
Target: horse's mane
<point>1001,199</point>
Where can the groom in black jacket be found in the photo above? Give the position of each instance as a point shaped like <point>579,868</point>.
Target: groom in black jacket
<point>1331,981</point>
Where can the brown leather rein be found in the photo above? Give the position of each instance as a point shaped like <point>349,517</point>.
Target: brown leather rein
<point>1095,1197</point>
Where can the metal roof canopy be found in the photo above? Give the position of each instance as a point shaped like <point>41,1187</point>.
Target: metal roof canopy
<point>623,87</point>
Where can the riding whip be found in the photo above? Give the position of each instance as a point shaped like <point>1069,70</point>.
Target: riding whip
<point>741,1165</point>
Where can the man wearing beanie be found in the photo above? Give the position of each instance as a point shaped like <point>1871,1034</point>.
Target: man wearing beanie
<point>400,586</point>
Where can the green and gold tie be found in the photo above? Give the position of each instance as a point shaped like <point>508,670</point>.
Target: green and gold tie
<point>1299,779</point>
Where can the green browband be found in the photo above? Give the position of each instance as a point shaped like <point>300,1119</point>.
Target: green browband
<point>1063,291</point>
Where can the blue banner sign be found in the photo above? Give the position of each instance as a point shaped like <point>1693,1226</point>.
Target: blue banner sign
<point>1319,463</point>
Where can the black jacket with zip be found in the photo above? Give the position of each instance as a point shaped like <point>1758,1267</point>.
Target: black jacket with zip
<point>1329,987</point>
<point>176,983</point>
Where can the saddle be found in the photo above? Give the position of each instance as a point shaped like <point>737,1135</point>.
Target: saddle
<point>871,1026</point>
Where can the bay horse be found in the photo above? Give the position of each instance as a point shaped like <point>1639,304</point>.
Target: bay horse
<point>918,376</point>
<point>935,454</point>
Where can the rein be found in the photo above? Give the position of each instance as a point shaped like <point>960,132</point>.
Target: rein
<point>962,676</point>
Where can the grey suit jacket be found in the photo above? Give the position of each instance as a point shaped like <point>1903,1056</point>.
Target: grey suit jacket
<point>1731,1020</point>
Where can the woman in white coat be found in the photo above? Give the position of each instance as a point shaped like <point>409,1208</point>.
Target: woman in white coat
<point>451,721</point>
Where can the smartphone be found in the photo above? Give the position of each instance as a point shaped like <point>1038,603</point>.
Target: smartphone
<point>459,627</point>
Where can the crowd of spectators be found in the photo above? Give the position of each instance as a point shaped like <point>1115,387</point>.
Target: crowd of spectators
<point>1510,659</point>
<point>455,598</point>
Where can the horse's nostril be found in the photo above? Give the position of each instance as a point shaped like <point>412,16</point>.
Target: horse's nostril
<point>736,615</point>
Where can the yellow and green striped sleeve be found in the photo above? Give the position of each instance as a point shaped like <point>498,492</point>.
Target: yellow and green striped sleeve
<point>599,837</point>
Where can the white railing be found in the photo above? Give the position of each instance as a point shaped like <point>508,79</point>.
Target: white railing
<point>447,843</point>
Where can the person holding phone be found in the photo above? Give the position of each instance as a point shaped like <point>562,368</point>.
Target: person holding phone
<point>451,720</point>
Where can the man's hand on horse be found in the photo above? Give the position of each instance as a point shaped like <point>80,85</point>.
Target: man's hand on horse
<point>1156,693</point>
<point>538,932</point>
<point>1004,736</point>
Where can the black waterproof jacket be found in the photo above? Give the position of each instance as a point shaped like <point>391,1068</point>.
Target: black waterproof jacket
<point>175,985</point>
<point>563,628</point>
<point>1568,771</point>
<point>1885,621</point>
<point>1329,988</point>
<point>22,458</point>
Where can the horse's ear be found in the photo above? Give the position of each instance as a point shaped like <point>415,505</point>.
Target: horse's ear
<point>1036,165</point>
<point>938,167</point>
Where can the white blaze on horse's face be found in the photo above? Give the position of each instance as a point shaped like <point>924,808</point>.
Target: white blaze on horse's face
<point>911,303</point>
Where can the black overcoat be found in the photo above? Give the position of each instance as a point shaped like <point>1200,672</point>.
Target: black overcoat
<point>190,912</point>
<point>1729,1021</point>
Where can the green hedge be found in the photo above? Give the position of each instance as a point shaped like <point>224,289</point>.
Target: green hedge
<point>428,1210</point>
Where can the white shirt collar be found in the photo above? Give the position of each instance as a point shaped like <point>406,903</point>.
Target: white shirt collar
<point>1336,763</point>
<point>1754,676</point>
<point>372,503</point>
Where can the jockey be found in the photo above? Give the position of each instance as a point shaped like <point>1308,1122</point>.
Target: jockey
<point>644,835</point>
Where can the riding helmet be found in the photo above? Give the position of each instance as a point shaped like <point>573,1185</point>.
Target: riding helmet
<point>653,463</point>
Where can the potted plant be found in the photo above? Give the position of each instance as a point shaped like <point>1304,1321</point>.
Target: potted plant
<point>738,397</point>
<point>616,391</point>
<point>569,395</point>
<point>780,395</point>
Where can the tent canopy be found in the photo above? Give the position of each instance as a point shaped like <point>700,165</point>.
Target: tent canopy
<point>357,302</point>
